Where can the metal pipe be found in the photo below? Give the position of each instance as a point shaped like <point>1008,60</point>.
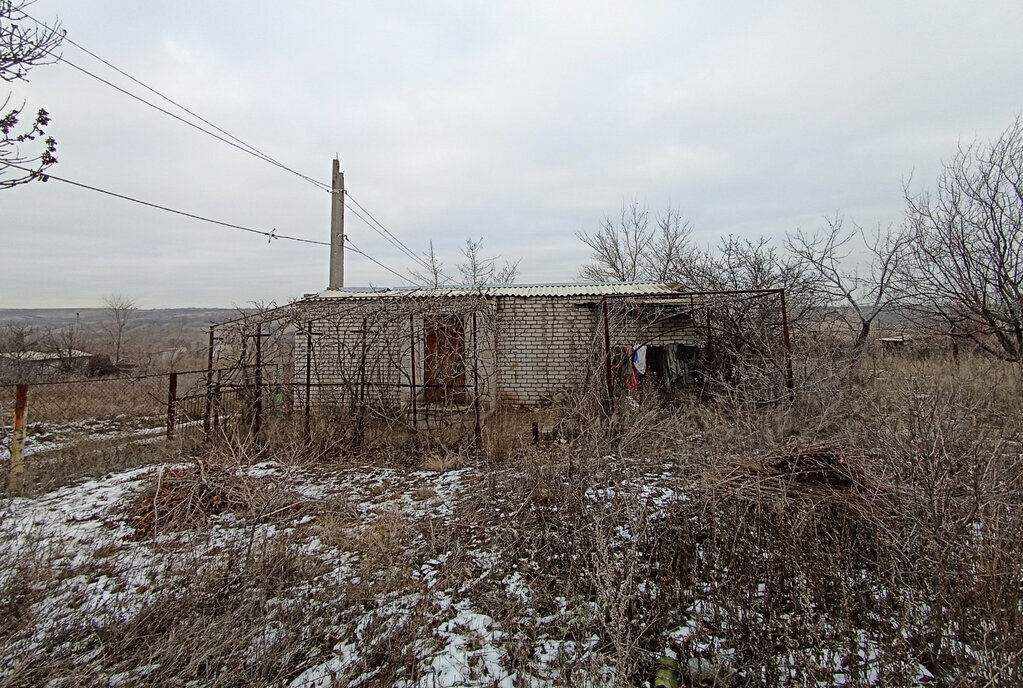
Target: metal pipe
<point>683,294</point>
<point>218,399</point>
<point>257,421</point>
<point>412,376</point>
<point>607,358</point>
<point>308,377</point>
<point>789,383</point>
<point>476,383</point>
<point>207,419</point>
<point>362,385</point>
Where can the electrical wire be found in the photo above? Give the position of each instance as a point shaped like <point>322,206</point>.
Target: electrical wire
<point>195,126</point>
<point>396,244</point>
<point>387,234</point>
<point>373,260</point>
<point>395,241</point>
<point>240,145</point>
<point>235,142</point>
<point>271,235</point>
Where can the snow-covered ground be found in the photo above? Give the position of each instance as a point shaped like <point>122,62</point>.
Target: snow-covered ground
<point>87,532</point>
<point>42,437</point>
<point>420,568</point>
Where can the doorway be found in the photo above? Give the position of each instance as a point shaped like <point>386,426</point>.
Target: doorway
<point>444,362</point>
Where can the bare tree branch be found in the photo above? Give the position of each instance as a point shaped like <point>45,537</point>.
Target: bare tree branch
<point>24,44</point>
<point>964,274</point>
<point>826,254</point>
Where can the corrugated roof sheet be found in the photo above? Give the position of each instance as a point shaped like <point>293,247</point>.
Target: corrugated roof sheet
<point>521,290</point>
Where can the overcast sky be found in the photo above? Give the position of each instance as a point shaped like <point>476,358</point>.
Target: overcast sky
<point>523,123</point>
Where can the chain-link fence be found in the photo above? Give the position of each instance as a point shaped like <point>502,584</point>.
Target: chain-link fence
<point>53,431</point>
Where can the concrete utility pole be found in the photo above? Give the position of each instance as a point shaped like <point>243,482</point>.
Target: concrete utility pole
<point>337,228</point>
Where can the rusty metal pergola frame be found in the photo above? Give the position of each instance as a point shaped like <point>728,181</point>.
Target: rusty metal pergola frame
<point>305,326</point>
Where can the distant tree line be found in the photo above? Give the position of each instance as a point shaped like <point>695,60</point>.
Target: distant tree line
<point>953,267</point>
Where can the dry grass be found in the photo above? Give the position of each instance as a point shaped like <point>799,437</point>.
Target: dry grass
<point>869,528</point>
<point>443,462</point>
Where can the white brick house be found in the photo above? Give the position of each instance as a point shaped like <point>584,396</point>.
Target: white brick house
<point>507,344</point>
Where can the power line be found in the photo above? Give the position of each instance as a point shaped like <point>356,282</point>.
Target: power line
<point>394,240</point>
<point>396,244</point>
<point>271,235</point>
<point>373,260</point>
<point>386,234</point>
<point>195,126</point>
<point>421,261</point>
<point>235,142</point>
<point>244,147</point>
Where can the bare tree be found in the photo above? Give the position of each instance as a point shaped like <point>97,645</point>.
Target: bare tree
<point>670,250</point>
<point>478,269</point>
<point>964,272</point>
<point>64,343</point>
<point>16,343</point>
<point>507,273</point>
<point>23,44</point>
<point>862,297</point>
<point>750,265</point>
<point>628,248</point>
<point>16,340</point>
<point>121,308</point>
<point>432,270</point>
<point>618,246</point>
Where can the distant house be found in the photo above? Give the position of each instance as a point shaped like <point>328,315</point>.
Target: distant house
<point>27,365</point>
<point>499,345</point>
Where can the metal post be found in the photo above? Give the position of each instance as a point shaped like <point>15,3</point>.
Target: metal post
<point>607,358</point>
<point>476,384</point>
<point>308,377</point>
<point>412,337</point>
<point>789,384</point>
<point>278,393</point>
<point>17,475</point>
<point>172,398</point>
<point>218,399</point>
<point>207,419</point>
<point>362,386</point>
<point>257,421</point>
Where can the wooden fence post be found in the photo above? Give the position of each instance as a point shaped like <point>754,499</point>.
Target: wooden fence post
<point>172,398</point>
<point>17,476</point>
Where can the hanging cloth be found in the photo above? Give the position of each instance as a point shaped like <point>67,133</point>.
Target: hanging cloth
<point>631,382</point>
<point>639,359</point>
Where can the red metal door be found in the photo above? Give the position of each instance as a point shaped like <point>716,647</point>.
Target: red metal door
<point>444,372</point>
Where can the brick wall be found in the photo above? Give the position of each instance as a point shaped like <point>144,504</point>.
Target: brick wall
<point>528,349</point>
<point>388,335</point>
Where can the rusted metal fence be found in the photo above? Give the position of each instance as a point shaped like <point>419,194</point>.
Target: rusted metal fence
<point>738,338</point>
<point>50,426</point>
<point>358,369</point>
<point>355,370</point>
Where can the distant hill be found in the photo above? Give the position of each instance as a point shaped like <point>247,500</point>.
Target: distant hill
<point>170,333</point>
<point>178,322</point>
